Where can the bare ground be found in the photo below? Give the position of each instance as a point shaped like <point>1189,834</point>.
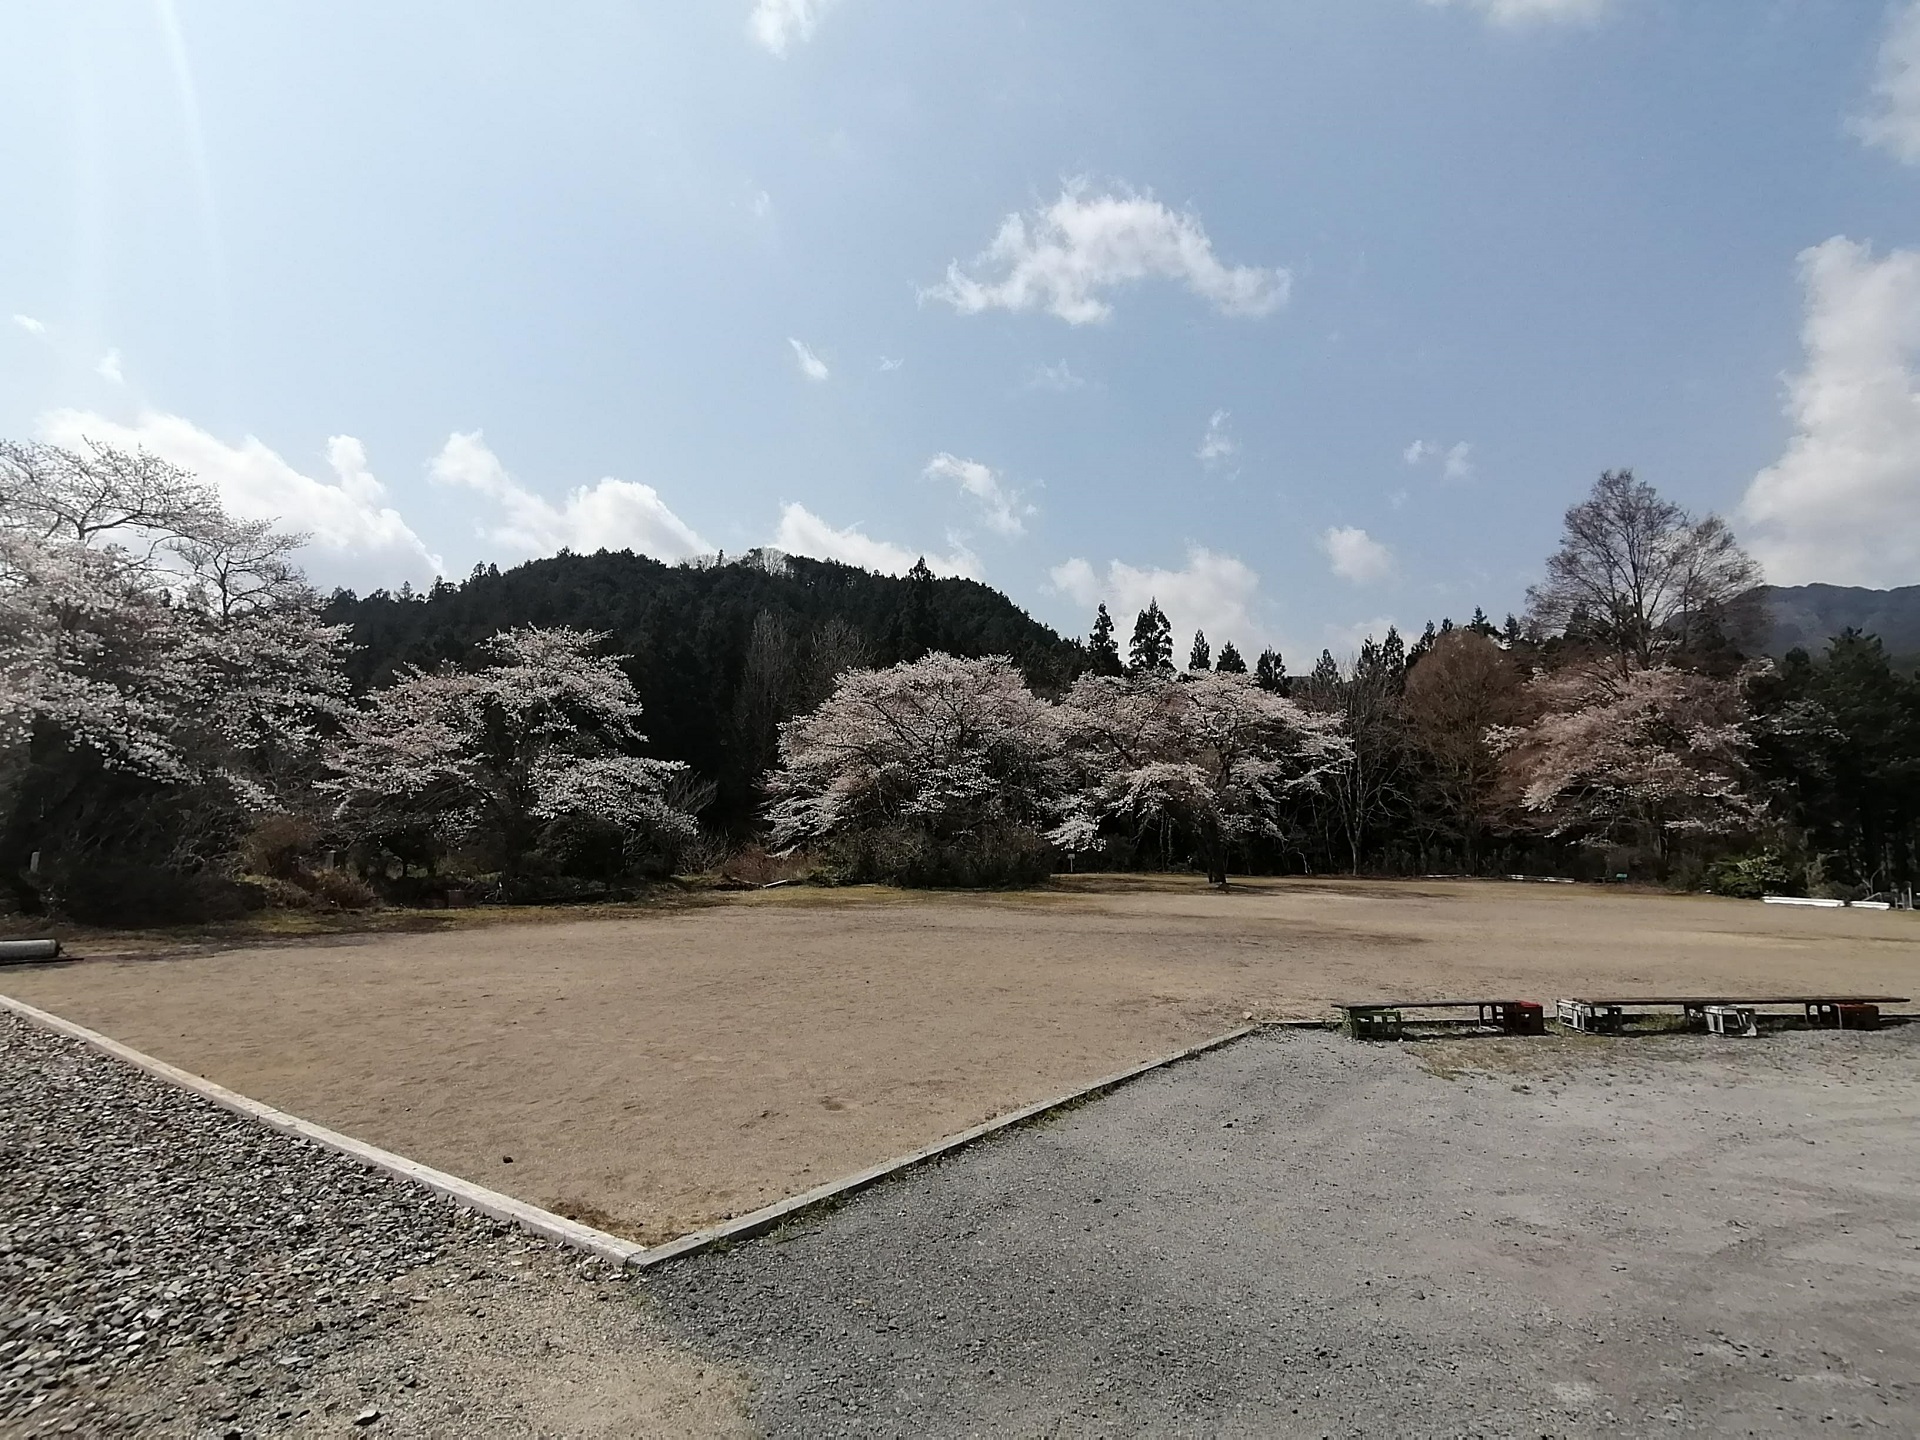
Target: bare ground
<point>654,1072</point>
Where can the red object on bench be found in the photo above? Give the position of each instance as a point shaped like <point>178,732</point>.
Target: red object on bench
<point>1522,1017</point>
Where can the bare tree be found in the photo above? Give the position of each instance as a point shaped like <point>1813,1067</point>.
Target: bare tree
<point>1641,577</point>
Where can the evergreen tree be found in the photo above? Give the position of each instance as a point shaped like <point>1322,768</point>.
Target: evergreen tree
<point>1152,647</point>
<point>1102,648</point>
<point>1230,662</point>
<point>1511,634</point>
<point>918,633</point>
<point>1270,672</point>
<point>1480,625</point>
<point>1201,656</point>
<point>1418,651</point>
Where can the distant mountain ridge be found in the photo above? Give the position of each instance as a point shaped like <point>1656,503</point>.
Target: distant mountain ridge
<point>1808,616</point>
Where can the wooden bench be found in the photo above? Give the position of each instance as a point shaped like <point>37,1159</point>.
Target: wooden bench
<point>1386,1019</point>
<point>1607,1014</point>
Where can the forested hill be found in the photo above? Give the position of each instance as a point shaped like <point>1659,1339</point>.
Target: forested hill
<point>720,651</point>
<point>1808,616</point>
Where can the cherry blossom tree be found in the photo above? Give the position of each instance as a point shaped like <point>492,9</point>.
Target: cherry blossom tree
<point>1212,752</point>
<point>539,735</point>
<point>1644,757</point>
<point>934,769</point>
<point>146,634</point>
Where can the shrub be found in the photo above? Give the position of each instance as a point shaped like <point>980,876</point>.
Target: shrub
<point>341,889</point>
<point>119,893</point>
<point>279,846</point>
<point>1748,877</point>
<point>996,858</point>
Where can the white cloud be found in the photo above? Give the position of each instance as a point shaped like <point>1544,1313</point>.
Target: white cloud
<point>1346,640</point>
<point>1894,122</point>
<point>1000,507</point>
<point>109,368</point>
<point>1059,259</point>
<point>358,539</point>
<point>1456,460</point>
<point>811,365</point>
<point>1355,555</point>
<point>30,325</point>
<point>1054,377</point>
<point>1839,505</point>
<point>1520,12</point>
<point>802,532</point>
<point>1212,592</point>
<point>761,204</point>
<point>777,24</point>
<point>1217,446</point>
<point>887,365</point>
<point>612,515</point>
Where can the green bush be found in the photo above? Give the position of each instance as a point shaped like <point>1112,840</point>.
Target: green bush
<point>1748,877</point>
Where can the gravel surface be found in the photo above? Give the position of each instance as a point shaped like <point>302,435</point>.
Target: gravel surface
<point>167,1267</point>
<point>1306,1235</point>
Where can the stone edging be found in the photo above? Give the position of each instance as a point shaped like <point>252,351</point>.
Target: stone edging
<point>488,1202</point>
<point>570,1232</point>
<point>760,1221</point>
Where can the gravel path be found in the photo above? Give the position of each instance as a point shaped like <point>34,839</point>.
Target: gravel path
<point>169,1268</point>
<point>1305,1235</point>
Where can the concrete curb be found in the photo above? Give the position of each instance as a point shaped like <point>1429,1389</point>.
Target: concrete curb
<point>760,1221</point>
<point>543,1223</point>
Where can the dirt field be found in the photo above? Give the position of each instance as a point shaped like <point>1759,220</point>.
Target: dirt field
<point>655,1073</point>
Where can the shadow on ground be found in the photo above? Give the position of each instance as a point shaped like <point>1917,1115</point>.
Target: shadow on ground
<point>1303,1234</point>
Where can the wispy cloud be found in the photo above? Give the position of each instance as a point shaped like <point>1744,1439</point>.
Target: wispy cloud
<point>1217,447</point>
<point>109,368</point>
<point>802,532</point>
<point>1894,121</point>
<point>611,515</point>
<point>1063,258</point>
<point>1058,377</point>
<point>811,365</point>
<point>1001,507</point>
<point>1356,556</point>
<point>1521,12</point>
<point>30,325</point>
<point>1456,460</point>
<point>777,24</point>
<point>1214,592</point>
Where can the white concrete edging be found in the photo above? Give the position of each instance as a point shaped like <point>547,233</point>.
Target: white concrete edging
<point>570,1232</point>
<point>543,1223</point>
<point>760,1221</point>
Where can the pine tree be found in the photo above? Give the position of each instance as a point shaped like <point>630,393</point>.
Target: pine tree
<point>1102,647</point>
<point>1270,672</point>
<point>1152,646</point>
<point>918,632</point>
<point>1230,662</point>
<point>1201,656</point>
<point>1480,624</point>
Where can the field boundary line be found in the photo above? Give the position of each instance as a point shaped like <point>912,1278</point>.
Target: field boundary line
<point>543,1223</point>
<point>760,1221</point>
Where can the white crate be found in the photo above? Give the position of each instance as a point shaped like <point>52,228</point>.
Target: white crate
<point>1731,1020</point>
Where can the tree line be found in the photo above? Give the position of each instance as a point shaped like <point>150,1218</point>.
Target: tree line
<point>187,727</point>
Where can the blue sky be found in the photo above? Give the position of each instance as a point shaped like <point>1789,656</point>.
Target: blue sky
<point>1304,317</point>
